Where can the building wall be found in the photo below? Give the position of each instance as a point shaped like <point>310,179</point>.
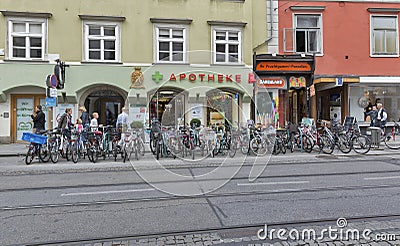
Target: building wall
<point>346,33</point>
<point>65,39</point>
<point>65,26</point>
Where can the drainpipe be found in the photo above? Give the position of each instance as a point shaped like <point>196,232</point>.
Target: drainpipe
<point>270,14</point>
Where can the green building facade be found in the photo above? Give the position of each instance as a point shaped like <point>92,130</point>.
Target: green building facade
<point>172,59</point>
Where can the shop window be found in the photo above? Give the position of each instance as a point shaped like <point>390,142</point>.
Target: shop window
<point>227,45</point>
<point>362,99</point>
<point>306,36</point>
<point>170,43</point>
<point>384,35</point>
<point>27,38</point>
<point>101,42</point>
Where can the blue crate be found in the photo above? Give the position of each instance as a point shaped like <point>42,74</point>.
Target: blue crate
<point>34,138</point>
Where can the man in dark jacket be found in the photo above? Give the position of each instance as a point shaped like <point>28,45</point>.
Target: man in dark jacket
<point>39,119</point>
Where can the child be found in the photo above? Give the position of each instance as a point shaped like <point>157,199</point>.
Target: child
<point>79,125</point>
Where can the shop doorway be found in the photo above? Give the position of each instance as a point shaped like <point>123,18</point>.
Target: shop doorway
<point>168,106</point>
<point>22,106</point>
<point>107,103</point>
<point>298,105</point>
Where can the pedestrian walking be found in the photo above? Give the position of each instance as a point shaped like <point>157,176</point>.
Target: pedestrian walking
<point>39,119</point>
<point>122,124</point>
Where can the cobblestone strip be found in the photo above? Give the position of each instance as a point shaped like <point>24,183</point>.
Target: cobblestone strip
<point>249,237</point>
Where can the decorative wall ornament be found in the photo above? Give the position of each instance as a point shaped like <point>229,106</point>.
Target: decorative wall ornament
<point>137,79</point>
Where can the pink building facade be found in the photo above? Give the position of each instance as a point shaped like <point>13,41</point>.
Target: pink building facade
<point>356,49</point>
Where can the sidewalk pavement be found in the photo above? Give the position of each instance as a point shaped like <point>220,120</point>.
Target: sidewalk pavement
<point>20,149</point>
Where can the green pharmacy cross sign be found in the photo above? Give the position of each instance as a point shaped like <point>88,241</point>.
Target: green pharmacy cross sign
<point>157,76</point>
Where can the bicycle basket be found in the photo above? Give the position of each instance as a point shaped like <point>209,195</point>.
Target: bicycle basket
<point>34,138</point>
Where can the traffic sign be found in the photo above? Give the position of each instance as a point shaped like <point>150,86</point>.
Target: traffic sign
<point>339,81</point>
<point>51,92</point>
<point>51,101</point>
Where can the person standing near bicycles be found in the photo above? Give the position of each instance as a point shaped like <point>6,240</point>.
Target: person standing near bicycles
<point>373,114</point>
<point>94,124</point>
<point>381,117</point>
<point>85,117</point>
<point>65,123</point>
<point>39,119</point>
<point>122,124</point>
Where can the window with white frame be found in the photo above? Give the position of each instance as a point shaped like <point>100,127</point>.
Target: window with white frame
<point>102,42</point>
<point>27,38</point>
<point>308,33</point>
<point>384,35</point>
<point>170,43</point>
<point>227,45</point>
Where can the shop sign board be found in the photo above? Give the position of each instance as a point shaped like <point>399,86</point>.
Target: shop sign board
<point>297,82</point>
<point>283,66</point>
<point>271,83</point>
<point>194,77</point>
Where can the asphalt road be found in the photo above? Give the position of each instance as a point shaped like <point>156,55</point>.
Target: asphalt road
<point>48,202</point>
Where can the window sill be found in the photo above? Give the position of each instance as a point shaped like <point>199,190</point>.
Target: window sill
<point>26,60</point>
<point>316,54</point>
<point>228,64</point>
<point>384,56</point>
<point>102,62</point>
<point>171,63</point>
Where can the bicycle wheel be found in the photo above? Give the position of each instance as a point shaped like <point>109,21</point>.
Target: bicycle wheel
<point>125,153</point>
<point>141,147</point>
<point>307,144</point>
<point>74,152</point>
<point>153,146</point>
<point>158,150</point>
<point>283,148</point>
<point>95,153</point>
<point>232,148</point>
<point>89,152</point>
<point>361,144</point>
<point>344,143</point>
<point>68,152</point>
<point>326,144</point>
<point>54,153</point>
<point>137,151</point>
<point>44,153</point>
<point>259,146</point>
<point>217,148</point>
<point>276,150</point>
<point>392,140</point>
<point>244,145</point>
<point>29,155</point>
<point>115,150</point>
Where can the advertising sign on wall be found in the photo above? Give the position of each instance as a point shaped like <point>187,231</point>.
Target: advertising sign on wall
<point>60,110</point>
<point>137,114</point>
<point>25,109</point>
<point>271,83</point>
